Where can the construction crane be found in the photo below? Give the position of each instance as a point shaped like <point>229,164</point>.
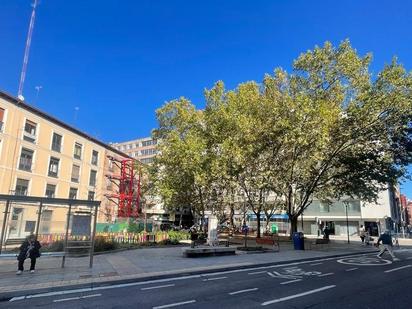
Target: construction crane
<point>26,52</point>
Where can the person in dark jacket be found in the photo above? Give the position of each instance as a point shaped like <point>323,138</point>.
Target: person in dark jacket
<point>387,245</point>
<point>29,249</point>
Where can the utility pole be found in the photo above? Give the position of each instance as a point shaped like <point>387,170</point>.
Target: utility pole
<point>26,52</point>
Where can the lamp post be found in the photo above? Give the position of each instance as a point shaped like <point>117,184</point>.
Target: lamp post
<point>347,220</point>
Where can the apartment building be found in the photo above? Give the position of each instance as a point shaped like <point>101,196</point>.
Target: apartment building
<point>142,149</point>
<point>43,156</point>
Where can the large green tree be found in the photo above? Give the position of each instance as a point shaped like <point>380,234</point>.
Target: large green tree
<point>344,132</point>
<point>326,130</point>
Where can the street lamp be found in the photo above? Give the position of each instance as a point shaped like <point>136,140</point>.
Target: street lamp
<point>346,203</point>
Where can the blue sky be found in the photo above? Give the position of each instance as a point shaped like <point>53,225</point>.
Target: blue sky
<point>120,60</point>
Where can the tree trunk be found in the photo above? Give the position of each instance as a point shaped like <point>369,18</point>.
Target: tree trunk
<point>231,216</point>
<point>293,225</point>
<point>258,224</point>
<point>267,223</point>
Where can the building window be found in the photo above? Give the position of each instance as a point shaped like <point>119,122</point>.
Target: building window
<point>95,157</point>
<point>324,207</point>
<point>53,167</point>
<point>22,187</point>
<point>146,160</point>
<point>26,159</point>
<point>73,193</point>
<point>57,142</point>
<point>92,180</point>
<point>30,131</point>
<point>90,196</point>
<point>30,226</point>
<point>75,173</point>
<point>147,152</point>
<point>1,119</point>
<point>109,184</point>
<point>77,151</point>
<point>50,191</point>
<point>45,219</point>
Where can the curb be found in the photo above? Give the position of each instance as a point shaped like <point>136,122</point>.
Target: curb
<point>9,295</point>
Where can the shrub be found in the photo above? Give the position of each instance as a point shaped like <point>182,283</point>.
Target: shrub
<point>176,236</point>
<point>103,244</point>
<point>56,246</point>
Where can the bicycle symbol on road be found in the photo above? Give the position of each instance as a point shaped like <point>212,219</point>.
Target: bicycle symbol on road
<point>364,261</point>
<point>293,273</point>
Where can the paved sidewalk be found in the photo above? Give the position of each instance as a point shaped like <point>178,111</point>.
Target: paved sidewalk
<point>144,263</point>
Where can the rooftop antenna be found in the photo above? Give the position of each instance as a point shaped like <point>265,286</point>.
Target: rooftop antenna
<point>38,88</point>
<point>26,52</point>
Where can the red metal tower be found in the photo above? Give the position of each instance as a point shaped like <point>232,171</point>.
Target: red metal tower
<point>128,195</point>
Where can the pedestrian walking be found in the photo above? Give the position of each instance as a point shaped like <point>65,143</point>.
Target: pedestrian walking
<point>362,234</point>
<point>387,245</point>
<point>30,249</point>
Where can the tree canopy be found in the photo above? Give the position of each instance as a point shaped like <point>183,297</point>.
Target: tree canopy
<point>326,130</point>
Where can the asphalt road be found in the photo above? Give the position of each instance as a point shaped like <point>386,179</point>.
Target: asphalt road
<point>351,282</point>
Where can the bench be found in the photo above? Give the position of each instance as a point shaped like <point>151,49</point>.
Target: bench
<point>208,251</point>
<point>268,241</point>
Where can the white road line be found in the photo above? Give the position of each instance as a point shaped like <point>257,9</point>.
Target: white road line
<point>157,287</point>
<point>76,298</point>
<point>278,300</point>
<point>107,287</point>
<point>272,275</point>
<point>292,281</point>
<point>395,269</point>
<point>316,264</point>
<point>243,291</point>
<point>352,269</point>
<point>90,296</point>
<point>217,278</point>
<point>409,258</point>
<point>327,274</point>
<point>65,299</point>
<point>257,272</point>
<point>175,304</point>
<point>123,285</point>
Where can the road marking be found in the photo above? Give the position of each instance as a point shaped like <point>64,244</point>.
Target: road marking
<point>316,264</point>
<point>65,299</point>
<point>287,282</point>
<point>272,275</point>
<point>217,278</point>
<point>157,287</point>
<point>278,300</point>
<point>364,261</point>
<point>352,269</point>
<point>409,258</point>
<point>395,269</point>
<point>123,285</point>
<point>175,304</point>
<point>90,296</point>
<point>76,298</point>
<point>257,272</point>
<point>278,275</point>
<point>324,275</point>
<point>243,291</point>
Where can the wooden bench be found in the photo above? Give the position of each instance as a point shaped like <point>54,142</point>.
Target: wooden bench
<point>268,241</point>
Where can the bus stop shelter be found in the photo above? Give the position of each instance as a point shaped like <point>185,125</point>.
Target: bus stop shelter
<point>70,221</point>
